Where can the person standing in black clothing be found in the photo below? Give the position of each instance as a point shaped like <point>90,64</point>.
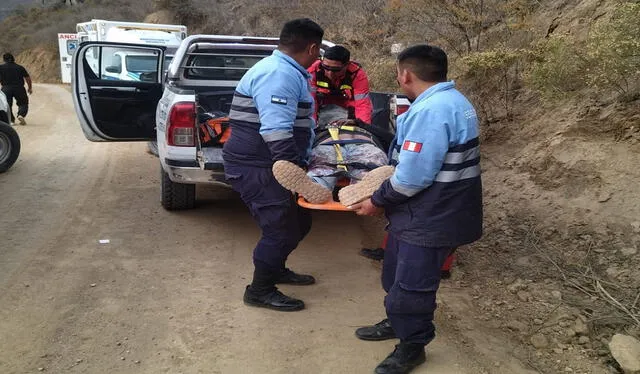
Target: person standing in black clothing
<point>12,78</point>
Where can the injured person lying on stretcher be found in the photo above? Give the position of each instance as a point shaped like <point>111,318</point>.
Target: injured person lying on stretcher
<point>345,152</point>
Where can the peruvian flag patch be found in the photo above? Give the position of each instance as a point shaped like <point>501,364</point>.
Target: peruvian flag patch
<point>411,146</point>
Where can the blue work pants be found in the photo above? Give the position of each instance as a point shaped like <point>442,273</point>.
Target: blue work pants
<point>411,277</point>
<point>283,223</point>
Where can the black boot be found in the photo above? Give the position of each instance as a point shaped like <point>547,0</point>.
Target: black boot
<point>403,359</point>
<point>380,331</point>
<point>289,277</point>
<point>373,253</point>
<point>263,293</point>
<point>275,300</point>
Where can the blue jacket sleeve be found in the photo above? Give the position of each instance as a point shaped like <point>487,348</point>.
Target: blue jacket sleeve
<point>425,143</point>
<point>276,96</point>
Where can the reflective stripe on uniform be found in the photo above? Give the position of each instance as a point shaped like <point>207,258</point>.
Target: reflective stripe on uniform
<point>361,96</point>
<point>304,110</point>
<point>460,157</point>
<point>241,100</point>
<point>458,175</point>
<point>303,122</point>
<point>407,191</point>
<point>461,162</point>
<point>237,115</point>
<point>277,135</point>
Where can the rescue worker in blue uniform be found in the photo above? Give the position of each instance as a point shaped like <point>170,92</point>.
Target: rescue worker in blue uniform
<point>271,119</point>
<point>433,203</point>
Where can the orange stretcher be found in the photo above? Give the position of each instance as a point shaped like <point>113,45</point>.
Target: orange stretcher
<point>329,205</point>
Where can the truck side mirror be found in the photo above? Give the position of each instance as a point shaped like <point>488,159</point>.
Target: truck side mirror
<point>113,69</point>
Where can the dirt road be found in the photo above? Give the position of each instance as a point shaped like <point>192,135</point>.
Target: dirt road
<point>164,295</point>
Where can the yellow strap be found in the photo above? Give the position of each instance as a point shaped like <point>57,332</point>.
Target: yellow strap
<point>345,87</point>
<point>322,84</point>
<point>335,136</point>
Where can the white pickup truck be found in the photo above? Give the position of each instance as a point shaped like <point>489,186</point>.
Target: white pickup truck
<point>201,77</point>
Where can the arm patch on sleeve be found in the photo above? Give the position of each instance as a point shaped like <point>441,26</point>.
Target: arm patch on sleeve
<point>278,100</point>
<point>410,146</point>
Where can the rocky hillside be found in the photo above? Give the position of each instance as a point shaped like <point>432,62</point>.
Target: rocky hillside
<point>10,7</point>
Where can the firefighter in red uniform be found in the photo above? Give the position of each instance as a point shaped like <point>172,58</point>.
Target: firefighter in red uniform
<point>337,80</point>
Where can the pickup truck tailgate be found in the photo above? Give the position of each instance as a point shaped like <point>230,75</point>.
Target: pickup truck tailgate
<point>210,158</point>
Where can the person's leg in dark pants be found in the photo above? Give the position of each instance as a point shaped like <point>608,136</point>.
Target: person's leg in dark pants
<point>383,329</point>
<point>390,262</point>
<point>411,298</point>
<point>411,301</point>
<point>377,254</point>
<point>22,101</point>
<point>283,225</point>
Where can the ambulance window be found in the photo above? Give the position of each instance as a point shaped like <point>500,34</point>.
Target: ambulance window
<point>129,64</point>
<point>141,63</point>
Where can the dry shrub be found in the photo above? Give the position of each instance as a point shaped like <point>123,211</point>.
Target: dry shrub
<point>493,79</point>
<point>607,61</point>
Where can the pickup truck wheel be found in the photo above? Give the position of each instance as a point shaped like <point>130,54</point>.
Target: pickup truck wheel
<point>152,147</point>
<point>177,196</point>
<point>9,146</point>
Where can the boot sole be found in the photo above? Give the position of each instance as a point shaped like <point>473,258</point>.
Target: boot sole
<point>279,309</point>
<point>293,178</point>
<point>376,339</point>
<point>407,368</point>
<point>371,257</point>
<point>363,190</point>
<point>298,283</point>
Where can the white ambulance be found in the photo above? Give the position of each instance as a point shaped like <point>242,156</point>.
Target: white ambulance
<point>119,65</point>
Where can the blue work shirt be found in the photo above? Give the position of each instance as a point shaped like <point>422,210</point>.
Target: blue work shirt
<point>271,114</point>
<point>434,198</point>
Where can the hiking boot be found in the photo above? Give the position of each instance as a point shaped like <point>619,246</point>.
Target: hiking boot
<point>355,193</point>
<point>275,300</point>
<point>404,358</point>
<point>22,121</point>
<point>380,331</point>
<point>373,253</point>
<point>290,277</point>
<point>293,178</point>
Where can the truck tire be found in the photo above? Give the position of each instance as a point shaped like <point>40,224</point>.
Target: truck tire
<point>9,146</point>
<point>177,196</point>
<point>152,147</point>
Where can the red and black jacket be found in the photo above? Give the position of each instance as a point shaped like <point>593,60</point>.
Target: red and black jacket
<point>351,92</point>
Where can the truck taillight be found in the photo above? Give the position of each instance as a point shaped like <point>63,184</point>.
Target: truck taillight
<point>181,130</point>
<point>401,109</point>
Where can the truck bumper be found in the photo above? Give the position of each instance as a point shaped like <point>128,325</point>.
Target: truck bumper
<point>190,173</point>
